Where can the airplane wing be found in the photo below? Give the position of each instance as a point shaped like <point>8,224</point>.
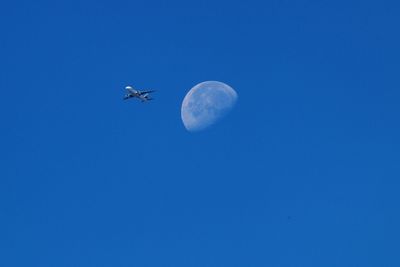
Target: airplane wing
<point>146,92</point>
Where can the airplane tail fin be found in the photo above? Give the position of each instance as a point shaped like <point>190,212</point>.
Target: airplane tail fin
<point>147,99</point>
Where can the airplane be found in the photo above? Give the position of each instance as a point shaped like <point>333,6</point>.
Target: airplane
<point>142,95</point>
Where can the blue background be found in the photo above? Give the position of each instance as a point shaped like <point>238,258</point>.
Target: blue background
<point>303,172</point>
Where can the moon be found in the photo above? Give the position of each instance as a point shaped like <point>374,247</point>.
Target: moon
<point>206,103</point>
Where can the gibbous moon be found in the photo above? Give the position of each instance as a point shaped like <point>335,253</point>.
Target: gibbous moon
<point>206,103</point>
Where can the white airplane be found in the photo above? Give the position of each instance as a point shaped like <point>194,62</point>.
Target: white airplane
<point>142,95</point>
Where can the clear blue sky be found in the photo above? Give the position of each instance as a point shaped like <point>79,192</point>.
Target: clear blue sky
<point>304,171</point>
